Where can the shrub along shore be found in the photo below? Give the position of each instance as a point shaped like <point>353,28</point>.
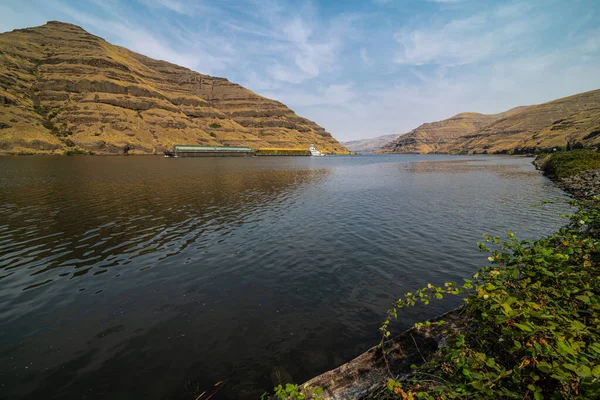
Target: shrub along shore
<point>529,329</point>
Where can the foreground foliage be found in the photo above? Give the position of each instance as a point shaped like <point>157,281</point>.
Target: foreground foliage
<point>534,319</point>
<point>295,392</point>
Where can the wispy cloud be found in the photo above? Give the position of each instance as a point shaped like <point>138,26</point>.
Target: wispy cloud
<point>332,95</point>
<point>173,5</point>
<point>364,56</point>
<point>465,40</point>
<point>445,1</point>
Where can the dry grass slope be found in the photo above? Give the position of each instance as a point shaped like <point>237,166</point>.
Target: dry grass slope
<point>438,137</point>
<point>555,123</point>
<point>62,87</point>
<point>573,119</point>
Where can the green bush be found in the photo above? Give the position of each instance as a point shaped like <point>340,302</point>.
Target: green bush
<point>565,164</point>
<point>215,125</point>
<point>76,151</point>
<point>533,317</point>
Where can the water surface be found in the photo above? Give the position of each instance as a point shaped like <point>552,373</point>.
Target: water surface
<point>153,278</point>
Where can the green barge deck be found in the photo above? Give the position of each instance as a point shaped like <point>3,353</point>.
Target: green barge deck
<point>209,151</point>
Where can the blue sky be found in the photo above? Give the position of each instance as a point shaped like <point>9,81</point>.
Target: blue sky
<point>358,68</point>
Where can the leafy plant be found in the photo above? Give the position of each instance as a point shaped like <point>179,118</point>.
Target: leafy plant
<point>295,392</point>
<point>215,125</point>
<point>534,319</point>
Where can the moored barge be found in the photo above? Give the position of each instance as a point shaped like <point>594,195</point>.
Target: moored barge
<point>209,151</point>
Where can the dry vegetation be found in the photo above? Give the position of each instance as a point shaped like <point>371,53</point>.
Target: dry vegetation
<point>61,87</point>
<point>573,119</point>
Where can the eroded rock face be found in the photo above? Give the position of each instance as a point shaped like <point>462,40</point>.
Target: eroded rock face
<point>58,82</point>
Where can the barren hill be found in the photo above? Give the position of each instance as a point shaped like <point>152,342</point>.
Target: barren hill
<point>555,123</point>
<point>573,119</point>
<point>368,145</point>
<point>437,137</point>
<point>61,87</point>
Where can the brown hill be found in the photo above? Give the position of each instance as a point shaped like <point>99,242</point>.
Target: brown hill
<point>62,87</point>
<point>437,137</point>
<point>570,119</point>
<point>368,145</point>
<point>573,119</point>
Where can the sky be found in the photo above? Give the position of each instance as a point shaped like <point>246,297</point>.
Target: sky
<point>358,68</point>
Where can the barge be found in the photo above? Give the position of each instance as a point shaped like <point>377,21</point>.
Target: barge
<point>279,151</point>
<point>180,150</point>
<point>209,151</point>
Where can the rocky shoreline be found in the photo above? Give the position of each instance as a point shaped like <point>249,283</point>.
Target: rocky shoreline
<point>582,186</point>
<point>364,376</point>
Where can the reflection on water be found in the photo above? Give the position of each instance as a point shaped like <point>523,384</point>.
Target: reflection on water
<point>141,277</point>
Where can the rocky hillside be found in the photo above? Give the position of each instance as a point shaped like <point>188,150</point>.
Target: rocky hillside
<point>442,136</point>
<point>574,119</point>
<point>571,119</point>
<point>368,145</point>
<point>63,88</point>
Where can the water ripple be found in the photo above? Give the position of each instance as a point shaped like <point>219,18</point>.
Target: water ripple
<point>115,265</point>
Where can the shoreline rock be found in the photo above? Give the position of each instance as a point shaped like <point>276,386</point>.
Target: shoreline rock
<point>583,185</point>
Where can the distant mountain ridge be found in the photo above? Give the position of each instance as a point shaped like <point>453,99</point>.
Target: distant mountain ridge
<point>436,137</point>
<point>573,119</point>
<point>62,87</point>
<point>368,145</point>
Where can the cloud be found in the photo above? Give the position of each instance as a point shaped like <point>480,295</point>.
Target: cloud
<point>445,1</point>
<point>331,95</point>
<point>463,41</point>
<point>172,5</point>
<point>303,53</point>
<point>364,56</point>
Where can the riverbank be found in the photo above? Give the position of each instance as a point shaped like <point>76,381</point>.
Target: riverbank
<point>524,332</point>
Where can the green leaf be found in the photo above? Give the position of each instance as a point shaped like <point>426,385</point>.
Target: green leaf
<point>478,385</point>
<point>583,298</point>
<point>564,349</point>
<point>584,371</point>
<point>524,327</point>
<point>544,367</point>
<point>517,344</point>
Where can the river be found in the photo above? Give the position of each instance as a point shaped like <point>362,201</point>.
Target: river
<point>153,278</point>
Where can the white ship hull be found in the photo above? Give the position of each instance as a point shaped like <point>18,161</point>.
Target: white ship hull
<point>314,152</point>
